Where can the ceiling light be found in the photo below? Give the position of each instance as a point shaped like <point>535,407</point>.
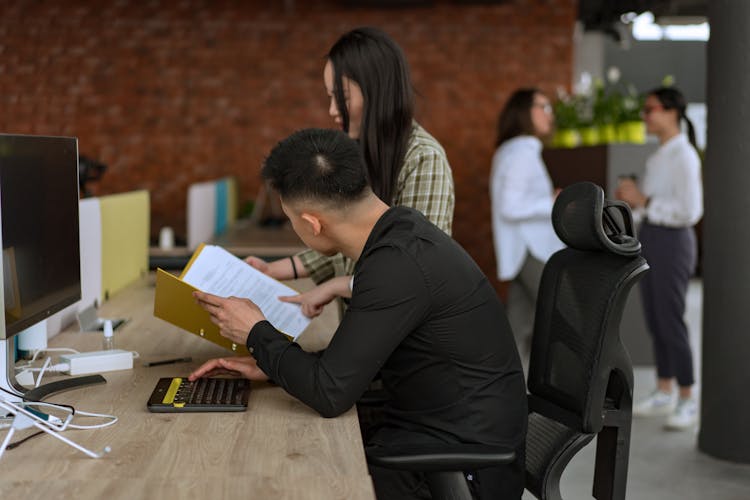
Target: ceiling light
<point>644,28</point>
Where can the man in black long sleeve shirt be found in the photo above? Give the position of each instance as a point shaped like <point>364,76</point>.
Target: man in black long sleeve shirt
<point>421,314</point>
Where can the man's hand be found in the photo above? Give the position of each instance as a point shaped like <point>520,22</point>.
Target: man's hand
<point>244,366</point>
<point>235,317</point>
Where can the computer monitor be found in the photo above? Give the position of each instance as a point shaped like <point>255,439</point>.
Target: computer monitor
<point>40,244</point>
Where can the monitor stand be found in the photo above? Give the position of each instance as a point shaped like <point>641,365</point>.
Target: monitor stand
<point>14,393</point>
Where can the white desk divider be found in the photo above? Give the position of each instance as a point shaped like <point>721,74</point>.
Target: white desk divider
<point>201,213</point>
<point>90,235</point>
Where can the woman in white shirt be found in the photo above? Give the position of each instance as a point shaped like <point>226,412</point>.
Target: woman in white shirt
<point>670,200</point>
<point>522,196</point>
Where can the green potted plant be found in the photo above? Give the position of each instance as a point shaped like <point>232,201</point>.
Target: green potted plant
<point>606,112</point>
<point>588,130</point>
<point>566,122</point>
<point>630,127</point>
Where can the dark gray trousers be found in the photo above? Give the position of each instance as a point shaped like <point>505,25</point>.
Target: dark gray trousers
<point>672,255</point>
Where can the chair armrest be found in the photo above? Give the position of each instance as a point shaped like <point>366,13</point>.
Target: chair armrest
<point>439,457</point>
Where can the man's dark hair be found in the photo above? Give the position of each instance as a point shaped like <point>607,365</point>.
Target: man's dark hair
<point>319,165</point>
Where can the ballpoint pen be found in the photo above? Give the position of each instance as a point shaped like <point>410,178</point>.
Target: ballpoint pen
<point>168,361</point>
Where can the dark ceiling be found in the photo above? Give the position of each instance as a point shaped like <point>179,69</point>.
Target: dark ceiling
<point>596,15</point>
<point>604,14</point>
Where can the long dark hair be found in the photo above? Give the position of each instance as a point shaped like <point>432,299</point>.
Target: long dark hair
<point>671,98</point>
<point>377,64</point>
<point>515,117</point>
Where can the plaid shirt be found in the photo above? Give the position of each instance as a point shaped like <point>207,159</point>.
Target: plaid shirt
<point>425,183</point>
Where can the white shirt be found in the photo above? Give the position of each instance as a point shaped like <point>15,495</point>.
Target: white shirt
<point>522,197</point>
<point>673,184</point>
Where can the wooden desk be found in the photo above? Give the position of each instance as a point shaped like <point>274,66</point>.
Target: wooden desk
<point>243,238</point>
<point>278,449</point>
<point>246,237</point>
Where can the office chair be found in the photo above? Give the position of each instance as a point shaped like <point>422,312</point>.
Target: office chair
<point>580,377</point>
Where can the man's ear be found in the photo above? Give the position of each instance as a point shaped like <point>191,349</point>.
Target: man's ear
<point>313,221</point>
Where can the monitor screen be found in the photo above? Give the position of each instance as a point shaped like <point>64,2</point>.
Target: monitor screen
<point>39,218</point>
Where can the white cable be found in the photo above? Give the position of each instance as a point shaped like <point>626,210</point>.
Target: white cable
<point>41,372</point>
<point>59,367</point>
<point>23,419</point>
<point>61,424</point>
<point>39,351</point>
<point>135,354</point>
<point>36,353</point>
<point>60,349</point>
<point>25,416</point>
<point>52,421</point>
<point>31,361</point>
<point>23,376</point>
<point>113,419</point>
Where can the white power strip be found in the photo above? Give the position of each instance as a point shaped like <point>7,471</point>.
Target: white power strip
<point>98,361</point>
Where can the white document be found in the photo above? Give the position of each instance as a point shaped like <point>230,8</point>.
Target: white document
<point>218,272</point>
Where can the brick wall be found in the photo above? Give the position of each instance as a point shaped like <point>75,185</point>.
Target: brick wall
<point>167,93</point>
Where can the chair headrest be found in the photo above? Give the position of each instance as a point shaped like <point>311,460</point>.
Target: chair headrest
<point>583,219</point>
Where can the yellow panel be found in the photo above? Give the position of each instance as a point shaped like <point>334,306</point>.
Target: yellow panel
<point>125,239</point>
<point>231,201</point>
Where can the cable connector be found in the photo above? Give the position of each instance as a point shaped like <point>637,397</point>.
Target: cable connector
<point>26,376</point>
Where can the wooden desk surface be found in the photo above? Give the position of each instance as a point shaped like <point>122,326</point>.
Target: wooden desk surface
<point>246,237</point>
<point>243,238</point>
<point>278,449</point>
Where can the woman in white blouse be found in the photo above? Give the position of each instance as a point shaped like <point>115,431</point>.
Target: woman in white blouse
<point>670,201</point>
<point>522,196</point>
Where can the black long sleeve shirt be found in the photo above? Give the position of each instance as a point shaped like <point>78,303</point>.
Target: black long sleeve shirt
<point>424,315</point>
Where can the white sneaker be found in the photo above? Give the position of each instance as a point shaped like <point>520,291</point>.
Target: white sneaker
<point>657,404</point>
<point>684,416</point>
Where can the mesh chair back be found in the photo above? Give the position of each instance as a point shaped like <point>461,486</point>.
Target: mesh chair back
<point>576,346</point>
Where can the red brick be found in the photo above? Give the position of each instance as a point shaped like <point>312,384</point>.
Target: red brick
<point>174,92</point>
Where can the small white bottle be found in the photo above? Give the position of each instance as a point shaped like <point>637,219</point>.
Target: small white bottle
<point>109,339</point>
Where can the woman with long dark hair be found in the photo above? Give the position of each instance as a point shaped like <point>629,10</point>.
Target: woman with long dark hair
<point>522,196</point>
<point>670,200</point>
<point>367,79</point>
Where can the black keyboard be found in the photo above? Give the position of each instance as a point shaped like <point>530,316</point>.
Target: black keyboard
<point>177,394</point>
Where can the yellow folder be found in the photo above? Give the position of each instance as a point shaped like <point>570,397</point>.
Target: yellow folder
<point>174,302</point>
